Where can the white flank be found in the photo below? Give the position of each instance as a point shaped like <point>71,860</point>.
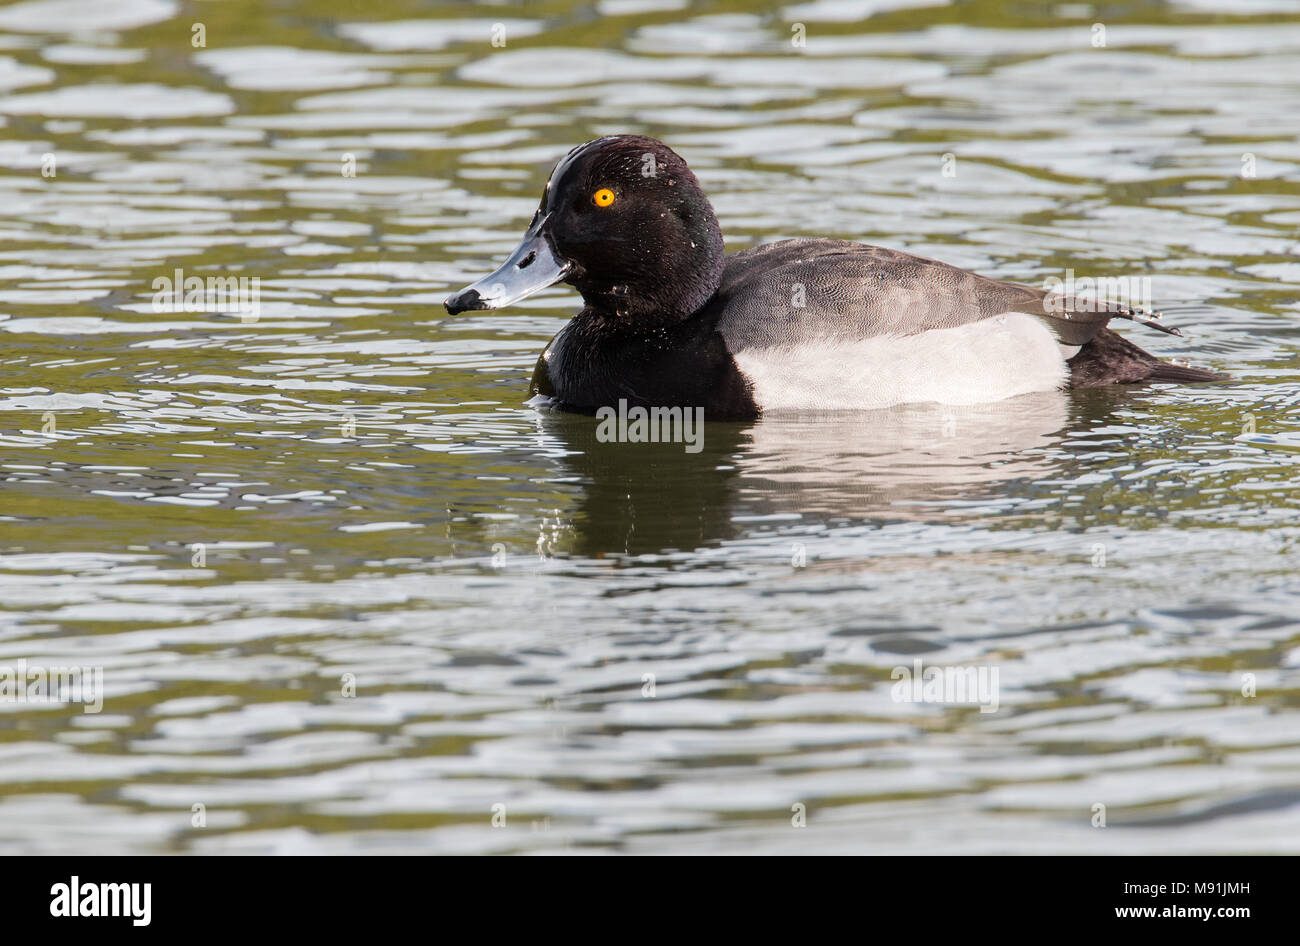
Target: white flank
<point>982,361</point>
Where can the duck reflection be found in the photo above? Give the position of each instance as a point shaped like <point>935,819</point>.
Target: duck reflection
<point>902,462</point>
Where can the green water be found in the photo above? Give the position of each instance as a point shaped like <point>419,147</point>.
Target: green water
<point>348,593</point>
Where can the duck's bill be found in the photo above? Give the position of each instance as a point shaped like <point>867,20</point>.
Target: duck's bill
<point>530,268</point>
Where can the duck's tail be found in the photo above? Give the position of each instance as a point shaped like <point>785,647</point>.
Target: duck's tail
<point>1109,358</point>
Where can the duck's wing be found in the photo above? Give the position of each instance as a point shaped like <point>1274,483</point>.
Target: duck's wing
<point>795,291</point>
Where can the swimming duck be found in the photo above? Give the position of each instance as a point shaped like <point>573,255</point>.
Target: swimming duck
<point>806,324</point>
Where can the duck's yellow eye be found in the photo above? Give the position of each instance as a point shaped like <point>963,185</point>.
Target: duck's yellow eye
<point>603,197</point>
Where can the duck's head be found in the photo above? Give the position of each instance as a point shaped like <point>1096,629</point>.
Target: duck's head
<point>625,222</point>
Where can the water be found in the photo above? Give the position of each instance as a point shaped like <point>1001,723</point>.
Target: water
<point>241,521</point>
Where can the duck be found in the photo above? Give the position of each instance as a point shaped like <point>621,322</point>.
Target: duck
<point>669,320</point>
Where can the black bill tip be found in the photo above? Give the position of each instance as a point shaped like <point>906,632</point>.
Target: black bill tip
<point>463,301</point>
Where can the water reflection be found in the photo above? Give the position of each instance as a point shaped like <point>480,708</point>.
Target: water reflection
<point>639,498</point>
<point>895,462</point>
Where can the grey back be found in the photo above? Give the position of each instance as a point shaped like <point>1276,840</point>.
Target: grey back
<point>853,291</point>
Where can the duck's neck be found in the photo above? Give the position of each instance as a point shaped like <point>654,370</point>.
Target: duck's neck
<point>645,309</point>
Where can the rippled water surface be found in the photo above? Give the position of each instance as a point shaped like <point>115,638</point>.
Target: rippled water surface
<point>240,520</point>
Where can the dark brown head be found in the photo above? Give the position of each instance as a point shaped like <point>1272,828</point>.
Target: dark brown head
<point>625,222</point>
